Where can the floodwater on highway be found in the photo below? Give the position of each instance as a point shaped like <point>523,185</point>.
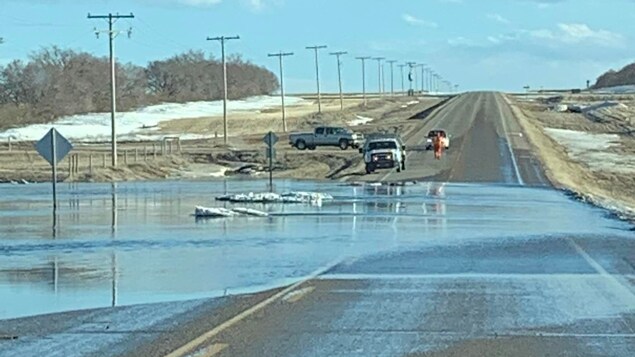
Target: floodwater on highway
<point>129,243</point>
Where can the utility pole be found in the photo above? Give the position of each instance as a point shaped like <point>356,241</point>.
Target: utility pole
<point>363,59</point>
<point>392,82</point>
<point>379,59</point>
<point>222,40</point>
<point>339,75</point>
<point>423,78</point>
<point>317,73</point>
<point>403,88</point>
<point>437,79</point>
<point>280,55</point>
<point>411,65</point>
<point>112,34</point>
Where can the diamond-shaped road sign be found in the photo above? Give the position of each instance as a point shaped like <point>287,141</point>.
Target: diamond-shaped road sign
<point>270,139</point>
<point>45,146</point>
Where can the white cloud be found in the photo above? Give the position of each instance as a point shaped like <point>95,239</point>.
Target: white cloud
<point>498,18</point>
<point>579,34</point>
<point>200,2</point>
<point>412,20</point>
<point>256,5</point>
<point>461,42</point>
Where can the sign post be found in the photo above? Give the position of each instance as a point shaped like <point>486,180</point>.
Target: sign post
<point>271,139</point>
<point>53,147</point>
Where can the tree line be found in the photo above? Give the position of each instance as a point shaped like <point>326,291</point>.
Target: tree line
<point>612,78</point>
<point>55,82</point>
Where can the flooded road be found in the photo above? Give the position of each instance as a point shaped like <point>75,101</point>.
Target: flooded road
<point>133,243</point>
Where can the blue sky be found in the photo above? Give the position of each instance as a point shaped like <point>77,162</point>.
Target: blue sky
<point>480,44</point>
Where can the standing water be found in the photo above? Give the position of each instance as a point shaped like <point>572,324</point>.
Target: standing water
<point>129,243</point>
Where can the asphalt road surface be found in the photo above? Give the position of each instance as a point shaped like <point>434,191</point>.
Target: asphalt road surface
<point>561,295</point>
<point>484,134</point>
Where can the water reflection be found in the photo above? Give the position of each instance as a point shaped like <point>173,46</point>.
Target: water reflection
<point>113,225</point>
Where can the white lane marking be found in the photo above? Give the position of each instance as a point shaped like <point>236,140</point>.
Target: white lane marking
<point>621,288</point>
<point>510,276</point>
<point>577,335</point>
<point>509,143</point>
<point>188,347</point>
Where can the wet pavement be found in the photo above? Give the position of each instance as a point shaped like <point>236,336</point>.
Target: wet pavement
<point>150,249</point>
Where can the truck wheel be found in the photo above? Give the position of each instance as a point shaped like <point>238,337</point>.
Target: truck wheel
<point>300,144</point>
<point>369,169</point>
<point>343,144</point>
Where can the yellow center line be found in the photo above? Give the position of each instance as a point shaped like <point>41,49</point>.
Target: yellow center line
<point>295,296</point>
<point>212,350</point>
<point>188,347</point>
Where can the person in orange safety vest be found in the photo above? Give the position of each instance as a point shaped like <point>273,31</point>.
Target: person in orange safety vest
<point>438,146</point>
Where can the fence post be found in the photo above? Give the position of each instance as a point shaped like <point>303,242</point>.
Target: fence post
<point>90,163</point>
<point>70,166</point>
<point>178,145</point>
<point>154,150</point>
<point>145,152</point>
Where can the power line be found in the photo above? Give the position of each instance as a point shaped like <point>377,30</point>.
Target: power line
<point>280,55</point>
<point>339,75</point>
<point>222,40</point>
<point>112,34</point>
<point>363,59</point>
<point>317,73</point>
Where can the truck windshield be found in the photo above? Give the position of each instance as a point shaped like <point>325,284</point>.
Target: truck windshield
<point>377,145</point>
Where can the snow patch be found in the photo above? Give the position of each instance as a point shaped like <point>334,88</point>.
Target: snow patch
<point>360,121</point>
<point>219,212</point>
<point>594,150</point>
<point>269,197</point>
<point>616,90</point>
<point>141,124</point>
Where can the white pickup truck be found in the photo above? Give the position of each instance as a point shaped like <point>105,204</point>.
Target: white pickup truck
<point>384,152</point>
<point>326,136</point>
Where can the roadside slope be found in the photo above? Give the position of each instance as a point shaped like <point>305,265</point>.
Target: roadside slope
<point>613,191</point>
